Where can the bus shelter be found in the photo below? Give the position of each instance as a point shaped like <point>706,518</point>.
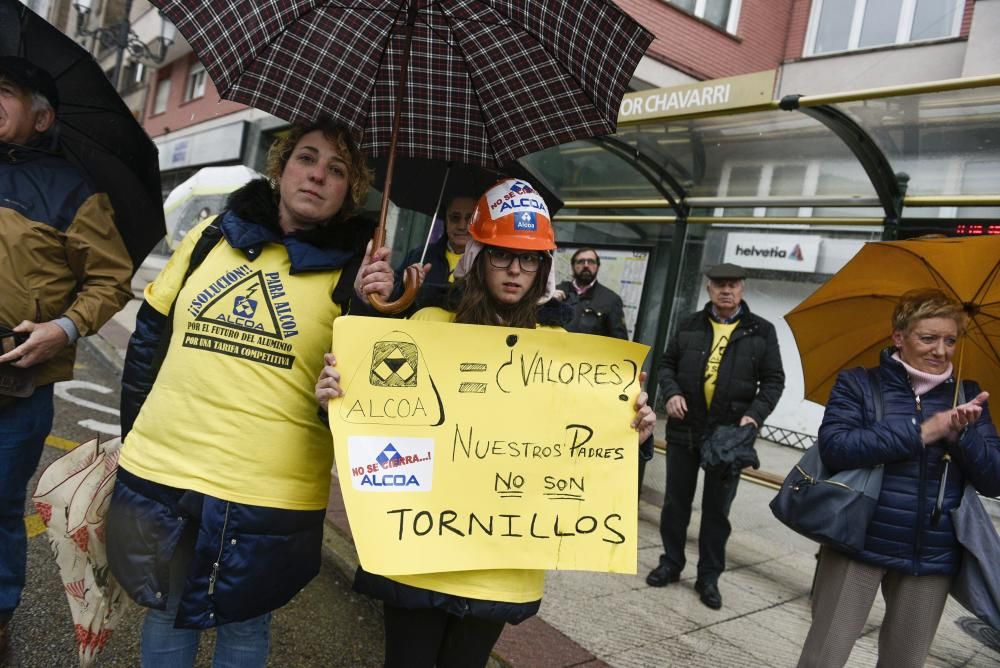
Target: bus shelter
<point>790,188</point>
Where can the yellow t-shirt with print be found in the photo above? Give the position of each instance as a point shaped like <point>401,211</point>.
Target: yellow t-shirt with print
<point>508,585</point>
<point>453,259</point>
<point>232,412</point>
<point>720,340</point>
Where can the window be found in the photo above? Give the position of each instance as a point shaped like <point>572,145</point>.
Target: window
<point>195,82</point>
<point>134,76</point>
<point>162,93</point>
<point>844,25</point>
<point>723,13</point>
<point>979,177</point>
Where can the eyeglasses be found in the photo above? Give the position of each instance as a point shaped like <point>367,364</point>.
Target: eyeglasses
<point>502,259</point>
<point>586,260</point>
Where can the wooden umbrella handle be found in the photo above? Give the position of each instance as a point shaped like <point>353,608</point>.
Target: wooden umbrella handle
<point>411,284</point>
<point>412,276</point>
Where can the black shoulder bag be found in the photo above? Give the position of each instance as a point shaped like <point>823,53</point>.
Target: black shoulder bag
<point>831,508</point>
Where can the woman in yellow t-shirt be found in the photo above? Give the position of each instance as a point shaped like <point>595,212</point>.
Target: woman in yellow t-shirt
<point>217,513</point>
<point>505,278</point>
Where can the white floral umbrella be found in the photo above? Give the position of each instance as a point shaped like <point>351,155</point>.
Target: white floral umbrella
<point>72,498</point>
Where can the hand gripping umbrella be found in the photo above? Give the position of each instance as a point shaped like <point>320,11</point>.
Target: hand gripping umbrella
<point>96,131</point>
<point>472,81</point>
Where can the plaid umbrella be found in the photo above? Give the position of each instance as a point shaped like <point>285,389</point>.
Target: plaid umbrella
<point>489,80</point>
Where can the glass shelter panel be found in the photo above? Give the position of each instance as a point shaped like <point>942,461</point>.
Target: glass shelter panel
<point>934,137</point>
<point>586,170</point>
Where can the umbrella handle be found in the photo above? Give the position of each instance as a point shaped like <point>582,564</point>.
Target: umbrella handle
<point>412,278</point>
<point>411,284</point>
<point>412,275</point>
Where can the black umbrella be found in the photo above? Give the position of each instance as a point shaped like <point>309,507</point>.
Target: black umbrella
<point>420,183</point>
<point>96,131</point>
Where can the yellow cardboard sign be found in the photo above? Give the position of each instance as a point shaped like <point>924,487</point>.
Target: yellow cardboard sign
<point>462,447</point>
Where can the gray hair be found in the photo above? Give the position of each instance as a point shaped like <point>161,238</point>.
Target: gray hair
<point>40,103</point>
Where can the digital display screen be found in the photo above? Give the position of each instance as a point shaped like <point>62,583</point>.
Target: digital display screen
<point>974,229</point>
<point>910,228</point>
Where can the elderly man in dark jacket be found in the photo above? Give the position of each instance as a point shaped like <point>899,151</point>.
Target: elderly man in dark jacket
<point>596,309</point>
<point>722,367</point>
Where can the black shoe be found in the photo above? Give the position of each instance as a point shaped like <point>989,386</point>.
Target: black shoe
<point>661,576</point>
<point>709,594</point>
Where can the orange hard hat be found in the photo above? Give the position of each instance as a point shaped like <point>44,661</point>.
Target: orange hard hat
<point>512,214</point>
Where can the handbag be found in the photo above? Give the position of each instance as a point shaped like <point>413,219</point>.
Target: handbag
<point>831,508</point>
<point>977,584</point>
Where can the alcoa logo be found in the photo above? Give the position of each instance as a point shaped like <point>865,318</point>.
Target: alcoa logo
<point>772,251</point>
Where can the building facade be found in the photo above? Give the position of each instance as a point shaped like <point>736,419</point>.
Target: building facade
<point>709,164</point>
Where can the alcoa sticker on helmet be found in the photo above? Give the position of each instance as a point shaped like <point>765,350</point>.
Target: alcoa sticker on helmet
<point>515,197</point>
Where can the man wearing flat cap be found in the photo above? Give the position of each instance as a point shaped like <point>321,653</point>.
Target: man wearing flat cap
<point>64,271</point>
<point>721,367</point>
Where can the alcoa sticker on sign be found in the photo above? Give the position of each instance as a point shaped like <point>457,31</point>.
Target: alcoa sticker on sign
<point>515,197</point>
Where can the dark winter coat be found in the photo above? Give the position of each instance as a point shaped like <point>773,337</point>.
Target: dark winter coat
<point>436,284</point>
<point>270,553</point>
<point>597,311</point>
<point>750,380</point>
<point>901,536</point>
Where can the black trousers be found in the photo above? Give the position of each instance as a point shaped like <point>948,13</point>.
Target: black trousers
<point>716,500</point>
<point>428,637</point>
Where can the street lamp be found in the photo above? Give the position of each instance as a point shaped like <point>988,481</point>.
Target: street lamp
<point>121,36</point>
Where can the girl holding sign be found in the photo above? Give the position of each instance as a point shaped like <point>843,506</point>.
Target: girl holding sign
<point>505,278</point>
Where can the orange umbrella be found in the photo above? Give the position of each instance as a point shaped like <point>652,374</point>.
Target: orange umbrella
<point>847,321</point>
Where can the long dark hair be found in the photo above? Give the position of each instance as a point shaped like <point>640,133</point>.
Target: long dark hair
<point>477,305</point>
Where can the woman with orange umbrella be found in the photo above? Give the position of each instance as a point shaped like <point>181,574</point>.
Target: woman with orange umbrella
<point>910,551</point>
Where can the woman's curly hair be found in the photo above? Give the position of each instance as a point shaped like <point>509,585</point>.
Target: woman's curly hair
<point>359,176</point>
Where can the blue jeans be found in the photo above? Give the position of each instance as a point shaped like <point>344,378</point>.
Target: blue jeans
<point>237,645</point>
<point>24,424</point>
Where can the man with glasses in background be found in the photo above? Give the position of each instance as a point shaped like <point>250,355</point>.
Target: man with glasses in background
<point>596,309</point>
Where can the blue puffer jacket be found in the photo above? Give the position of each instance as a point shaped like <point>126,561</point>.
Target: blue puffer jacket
<point>244,560</point>
<point>901,536</point>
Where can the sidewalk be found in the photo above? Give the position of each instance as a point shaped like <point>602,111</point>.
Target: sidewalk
<point>597,619</point>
